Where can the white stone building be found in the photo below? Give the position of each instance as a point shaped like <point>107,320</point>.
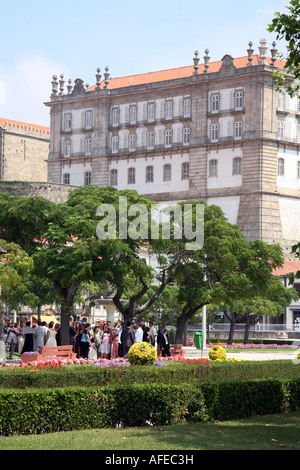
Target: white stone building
<point>216,131</point>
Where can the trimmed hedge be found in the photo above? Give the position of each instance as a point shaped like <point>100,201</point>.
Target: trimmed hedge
<point>43,411</point>
<point>172,374</point>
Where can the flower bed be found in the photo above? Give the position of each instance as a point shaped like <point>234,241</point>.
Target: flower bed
<point>251,346</point>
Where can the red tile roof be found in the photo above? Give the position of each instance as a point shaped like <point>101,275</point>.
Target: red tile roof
<point>181,72</point>
<point>18,124</point>
<point>288,267</point>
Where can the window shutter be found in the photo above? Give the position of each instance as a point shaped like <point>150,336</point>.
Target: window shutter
<point>162,109</point>
<point>144,111</point>
<point>82,119</point>
<point>143,137</point>
<point>230,128</point>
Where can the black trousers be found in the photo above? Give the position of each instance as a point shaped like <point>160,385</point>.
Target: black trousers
<point>84,349</point>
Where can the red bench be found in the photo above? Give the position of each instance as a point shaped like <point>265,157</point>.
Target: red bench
<point>175,350</point>
<point>50,352</point>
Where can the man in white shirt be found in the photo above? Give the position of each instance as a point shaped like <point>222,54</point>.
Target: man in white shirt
<point>152,333</point>
<point>138,333</point>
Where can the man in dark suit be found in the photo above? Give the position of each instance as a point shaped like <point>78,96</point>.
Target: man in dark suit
<point>127,339</point>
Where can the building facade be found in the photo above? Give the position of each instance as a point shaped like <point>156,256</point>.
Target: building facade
<point>216,131</point>
<point>24,150</point>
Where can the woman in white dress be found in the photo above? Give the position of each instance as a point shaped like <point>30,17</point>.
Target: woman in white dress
<point>50,339</point>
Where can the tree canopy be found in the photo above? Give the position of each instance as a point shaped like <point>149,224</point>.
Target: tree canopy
<point>286,25</point>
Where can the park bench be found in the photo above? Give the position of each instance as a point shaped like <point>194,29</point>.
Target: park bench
<point>50,352</point>
<point>175,350</point>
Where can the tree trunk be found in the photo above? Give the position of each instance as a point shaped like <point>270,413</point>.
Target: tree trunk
<point>247,328</point>
<point>180,330</point>
<point>66,312</point>
<point>232,325</point>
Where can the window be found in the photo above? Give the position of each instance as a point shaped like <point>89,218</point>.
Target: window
<point>149,174</point>
<point>185,171</point>
<point>115,144</point>
<point>280,166</point>
<point>167,172</point>
<point>215,103</point>
<point>67,152</point>
<point>238,130</point>
<point>132,115</point>
<point>168,138</point>
<point>187,107</point>
<point>151,109</point>
<point>186,136</point>
<point>87,178</point>
<point>114,177</point>
<point>298,169</point>
<point>213,168</point>
<point>132,142</point>
<point>169,109</point>
<point>66,178</point>
<point>131,175</point>
<point>89,119</point>
<point>68,122</point>
<point>150,140</point>
<point>239,100</point>
<point>88,147</point>
<point>280,100</point>
<point>116,116</point>
<point>280,131</point>
<point>214,133</point>
<point>237,166</point>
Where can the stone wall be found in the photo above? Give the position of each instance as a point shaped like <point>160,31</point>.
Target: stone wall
<point>53,192</point>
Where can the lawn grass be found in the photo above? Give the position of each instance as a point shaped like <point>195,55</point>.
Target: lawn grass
<point>275,432</point>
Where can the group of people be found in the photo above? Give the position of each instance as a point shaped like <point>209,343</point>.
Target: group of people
<point>28,337</point>
<point>108,341</point>
<point>103,340</point>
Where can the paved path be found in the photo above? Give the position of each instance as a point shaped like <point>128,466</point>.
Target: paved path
<point>192,352</point>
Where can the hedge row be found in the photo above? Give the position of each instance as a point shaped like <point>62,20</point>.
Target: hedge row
<point>88,375</point>
<point>44,411</point>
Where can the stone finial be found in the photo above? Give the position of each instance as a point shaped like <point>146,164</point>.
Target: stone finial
<point>263,51</point>
<point>54,85</point>
<point>98,77</point>
<point>106,77</point>
<point>78,87</point>
<point>69,87</point>
<point>196,62</point>
<point>250,54</point>
<point>87,86</point>
<point>61,84</point>
<point>206,61</point>
<point>274,53</point>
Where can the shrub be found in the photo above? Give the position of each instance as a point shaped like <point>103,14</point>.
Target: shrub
<point>217,353</point>
<point>142,354</point>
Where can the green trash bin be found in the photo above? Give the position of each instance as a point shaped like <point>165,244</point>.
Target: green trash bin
<point>198,339</point>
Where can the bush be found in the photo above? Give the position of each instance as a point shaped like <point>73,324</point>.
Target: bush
<point>142,354</point>
<point>217,353</point>
<point>43,411</point>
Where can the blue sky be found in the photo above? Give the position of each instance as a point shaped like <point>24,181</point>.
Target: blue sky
<point>39,38</point>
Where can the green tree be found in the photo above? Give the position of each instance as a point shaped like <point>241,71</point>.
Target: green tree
<point>225,269</point>
<point>14,264</point>
<point>286,25</point>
